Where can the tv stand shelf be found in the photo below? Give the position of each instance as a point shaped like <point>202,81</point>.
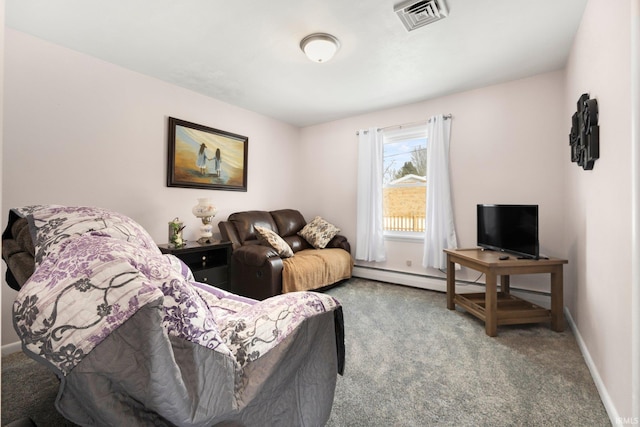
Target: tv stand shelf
<point>501,308</point>
<point>511,310</point>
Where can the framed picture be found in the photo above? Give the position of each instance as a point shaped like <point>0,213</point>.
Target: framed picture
<point>203,157</point>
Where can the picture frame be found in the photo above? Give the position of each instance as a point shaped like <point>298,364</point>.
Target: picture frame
<point>206,158</point>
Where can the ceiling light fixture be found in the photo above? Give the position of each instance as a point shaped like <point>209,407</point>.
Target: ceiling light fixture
<point>320,47</point>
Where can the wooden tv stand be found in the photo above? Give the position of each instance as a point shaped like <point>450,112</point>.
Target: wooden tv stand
<point>501,308</point>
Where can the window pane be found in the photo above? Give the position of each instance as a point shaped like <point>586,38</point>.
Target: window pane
<point>405,185</point>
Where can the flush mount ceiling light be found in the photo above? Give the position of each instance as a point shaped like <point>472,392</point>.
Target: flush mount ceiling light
<point>320,47</point>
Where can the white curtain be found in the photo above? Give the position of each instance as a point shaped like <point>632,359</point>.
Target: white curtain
<point>440,228</point>
<point>369,227</point>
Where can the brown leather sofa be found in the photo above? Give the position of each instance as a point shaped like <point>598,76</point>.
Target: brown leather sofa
<point>256,268</point>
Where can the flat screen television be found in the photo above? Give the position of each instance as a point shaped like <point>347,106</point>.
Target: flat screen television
<point>509,228</point>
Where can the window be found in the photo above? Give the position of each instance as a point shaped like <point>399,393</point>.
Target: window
<point>404,182</point>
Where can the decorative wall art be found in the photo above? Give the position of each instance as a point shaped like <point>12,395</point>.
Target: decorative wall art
<point>203,157</point>
<point>585,133</point>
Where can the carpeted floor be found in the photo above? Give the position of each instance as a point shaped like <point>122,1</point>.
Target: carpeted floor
<point>28,391</point>
<point>410,362</point>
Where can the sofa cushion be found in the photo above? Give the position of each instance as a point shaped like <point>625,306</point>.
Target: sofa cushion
<point>289,221</point>
<point>245,223</point>
<point>297,243</point>
<point>270,238</point>
<point>319,232</point>
<point>315,268</point>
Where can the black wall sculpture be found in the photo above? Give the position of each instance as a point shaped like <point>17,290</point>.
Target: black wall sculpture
<point>585,133</point>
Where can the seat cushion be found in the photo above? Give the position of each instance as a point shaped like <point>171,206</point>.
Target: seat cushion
<point>315,268</point>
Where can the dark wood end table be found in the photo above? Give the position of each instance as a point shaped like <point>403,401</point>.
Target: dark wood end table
<point>209,262</point>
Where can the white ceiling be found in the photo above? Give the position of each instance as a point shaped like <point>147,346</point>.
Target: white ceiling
<point>247,53</point>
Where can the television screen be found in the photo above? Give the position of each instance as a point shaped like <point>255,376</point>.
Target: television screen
<point>509,228</point>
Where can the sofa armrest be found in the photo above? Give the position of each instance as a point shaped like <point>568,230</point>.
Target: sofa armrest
<point>254,255</point>
<point>256,272</point>
<point>340,242</point>
<point>229,233</point>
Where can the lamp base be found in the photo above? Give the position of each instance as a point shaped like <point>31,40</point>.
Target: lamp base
<point>205,240</point>
<point>206,235</point>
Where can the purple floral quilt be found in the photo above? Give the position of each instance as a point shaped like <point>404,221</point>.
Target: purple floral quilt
<point>95,269</point>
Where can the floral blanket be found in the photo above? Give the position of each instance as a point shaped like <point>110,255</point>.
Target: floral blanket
<point>95,269</point>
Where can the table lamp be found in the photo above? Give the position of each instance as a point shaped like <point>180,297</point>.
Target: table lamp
<point>205,211</point>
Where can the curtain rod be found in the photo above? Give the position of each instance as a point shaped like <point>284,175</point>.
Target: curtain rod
<point>421,122</point>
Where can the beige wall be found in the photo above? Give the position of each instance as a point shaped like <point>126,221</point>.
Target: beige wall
<point>508,145</point>
<point>80,131</point>
<point>598,202</point>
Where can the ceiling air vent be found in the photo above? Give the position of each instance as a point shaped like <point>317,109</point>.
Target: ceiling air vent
<point>418,13</point>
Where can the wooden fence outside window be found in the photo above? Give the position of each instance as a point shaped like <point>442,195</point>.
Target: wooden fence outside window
<point>404,223</point>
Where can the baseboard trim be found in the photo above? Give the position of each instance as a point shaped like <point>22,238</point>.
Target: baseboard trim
<point>609,406</point>
<point>432,283</point>
<point>439,284</point>
<point>10,348</point>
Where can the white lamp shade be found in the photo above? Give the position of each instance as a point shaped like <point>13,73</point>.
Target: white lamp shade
<point>204,208</point>
<point>320,47</point>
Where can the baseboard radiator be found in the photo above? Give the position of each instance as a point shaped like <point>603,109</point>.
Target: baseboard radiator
<point>439,284</point>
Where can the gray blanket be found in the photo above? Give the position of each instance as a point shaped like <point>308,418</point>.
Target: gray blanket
<point>135,341</point>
